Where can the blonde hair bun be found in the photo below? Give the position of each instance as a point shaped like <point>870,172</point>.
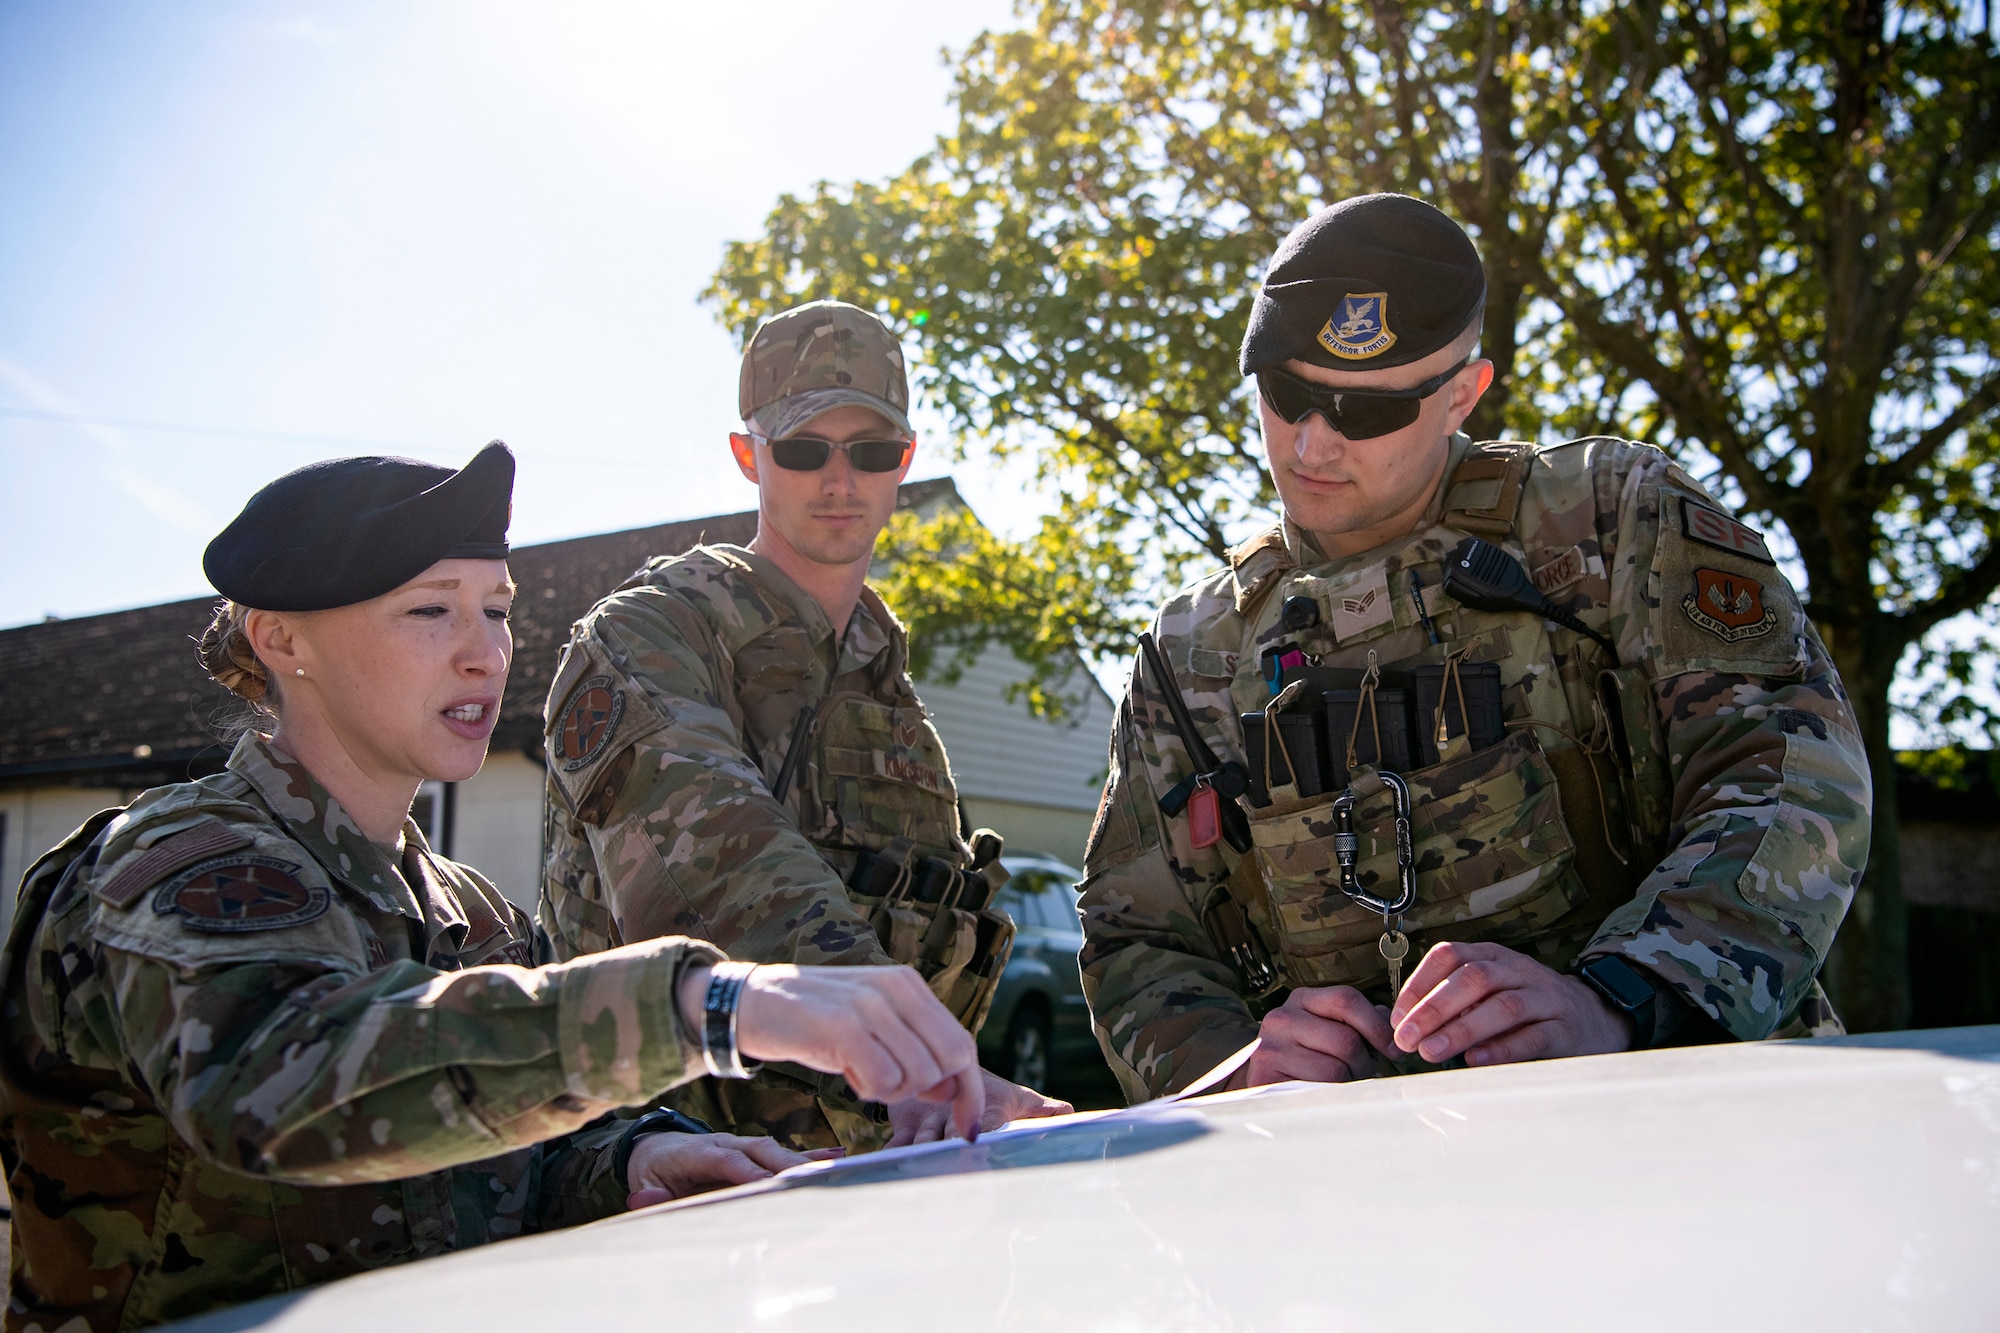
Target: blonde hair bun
<point>226,655</point>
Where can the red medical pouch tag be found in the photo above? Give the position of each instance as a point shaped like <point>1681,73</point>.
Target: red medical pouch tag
<point>1204,817</point>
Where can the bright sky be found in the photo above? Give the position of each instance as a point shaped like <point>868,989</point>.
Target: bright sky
<point>316,228</point>
<point>408,228</point>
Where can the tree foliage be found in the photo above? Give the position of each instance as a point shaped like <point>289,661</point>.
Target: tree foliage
<point>1761,235</point>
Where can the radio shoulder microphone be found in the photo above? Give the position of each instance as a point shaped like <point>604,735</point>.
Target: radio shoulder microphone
<point>1480,575</point>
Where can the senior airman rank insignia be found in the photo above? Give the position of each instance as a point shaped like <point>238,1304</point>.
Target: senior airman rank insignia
<point>1729,606</point>
<point>1360,328</point>
<point>1362,604</point>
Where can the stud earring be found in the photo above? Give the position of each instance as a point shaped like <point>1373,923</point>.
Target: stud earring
<point>299,671</point>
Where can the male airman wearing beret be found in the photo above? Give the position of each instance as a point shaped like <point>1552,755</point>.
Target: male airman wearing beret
<point>736,748</point>
<point>1544,720</point>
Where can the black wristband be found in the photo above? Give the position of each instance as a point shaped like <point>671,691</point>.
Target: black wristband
<point>1626,990</point>
<point>718,1026</point>
<point>661,1121</point>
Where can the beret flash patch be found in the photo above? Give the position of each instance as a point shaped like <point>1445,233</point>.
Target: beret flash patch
<point>1360,328</point>
<point>229,895</point>
<point>589,724</point>
<point>1729,606</point>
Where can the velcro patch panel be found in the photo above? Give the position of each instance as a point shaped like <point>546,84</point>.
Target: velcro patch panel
<point>167,856</point>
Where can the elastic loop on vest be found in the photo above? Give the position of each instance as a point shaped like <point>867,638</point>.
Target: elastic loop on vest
<point>1369,681</point>
<point>1452,680</point>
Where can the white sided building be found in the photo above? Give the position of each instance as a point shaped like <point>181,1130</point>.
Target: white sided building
<point>95,710</point>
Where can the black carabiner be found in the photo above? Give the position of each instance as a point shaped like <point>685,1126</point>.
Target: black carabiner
<point>1347,850</point>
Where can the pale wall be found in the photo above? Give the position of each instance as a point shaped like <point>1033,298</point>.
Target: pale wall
<point>498,826</point>
<point>1001,752</point>
<point>37,819</point>
<point>1033,828</point>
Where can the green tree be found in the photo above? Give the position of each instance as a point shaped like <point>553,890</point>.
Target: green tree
<point>1761,235</point>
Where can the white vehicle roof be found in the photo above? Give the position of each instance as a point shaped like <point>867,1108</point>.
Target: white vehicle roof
<point>1851,1183</point>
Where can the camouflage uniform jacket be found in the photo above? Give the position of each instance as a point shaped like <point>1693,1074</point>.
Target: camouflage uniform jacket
<point>671,715</point>
<point>247,1051</point>
<point>1744,800</point>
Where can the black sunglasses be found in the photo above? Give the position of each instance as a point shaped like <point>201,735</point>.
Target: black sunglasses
<point>1354,414</point>
<point>807,453</point>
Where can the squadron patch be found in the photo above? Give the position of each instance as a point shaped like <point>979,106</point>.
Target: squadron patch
<point>1711,527</point>
<point>1360,328</point>
<point>592,720</point>
<point>229,895</point>
<point>1729,606</point>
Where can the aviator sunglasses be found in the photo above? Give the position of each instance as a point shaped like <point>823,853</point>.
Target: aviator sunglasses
<point>1354,414</point>
<point>808,453</point>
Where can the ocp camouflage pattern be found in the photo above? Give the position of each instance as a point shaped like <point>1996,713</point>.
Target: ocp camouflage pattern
<point>671,717</point>
<point>247,1051</point>
<point>1719,850</point>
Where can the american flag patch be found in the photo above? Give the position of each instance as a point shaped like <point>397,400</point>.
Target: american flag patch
<point>166,856</point>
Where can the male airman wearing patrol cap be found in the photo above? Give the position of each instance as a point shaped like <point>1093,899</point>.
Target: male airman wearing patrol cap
<point>1548,720</point>
<point>734,740</point>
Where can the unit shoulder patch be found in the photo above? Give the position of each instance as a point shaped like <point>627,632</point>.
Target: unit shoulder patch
<point>235,894</point>
<point>589,723</point>
<point>1729,606</point>
<point>1712,527</point>
<point>167,856</point>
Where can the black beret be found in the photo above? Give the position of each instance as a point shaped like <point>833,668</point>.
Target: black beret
<point>1381,280</point>
<point>348,529</point>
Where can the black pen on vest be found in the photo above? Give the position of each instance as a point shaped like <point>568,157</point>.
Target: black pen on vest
<point>795,753</point>
<point>1417,596</point>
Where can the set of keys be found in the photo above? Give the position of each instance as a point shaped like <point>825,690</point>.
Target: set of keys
<point>1394,944</point>
<point>1395,947</point>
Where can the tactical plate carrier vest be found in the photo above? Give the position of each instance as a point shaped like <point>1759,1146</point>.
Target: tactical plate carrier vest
<point>1529,840</point>
<point>855,762</point>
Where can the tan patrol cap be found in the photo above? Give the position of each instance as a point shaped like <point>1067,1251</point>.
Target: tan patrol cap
<point>816,357</point>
